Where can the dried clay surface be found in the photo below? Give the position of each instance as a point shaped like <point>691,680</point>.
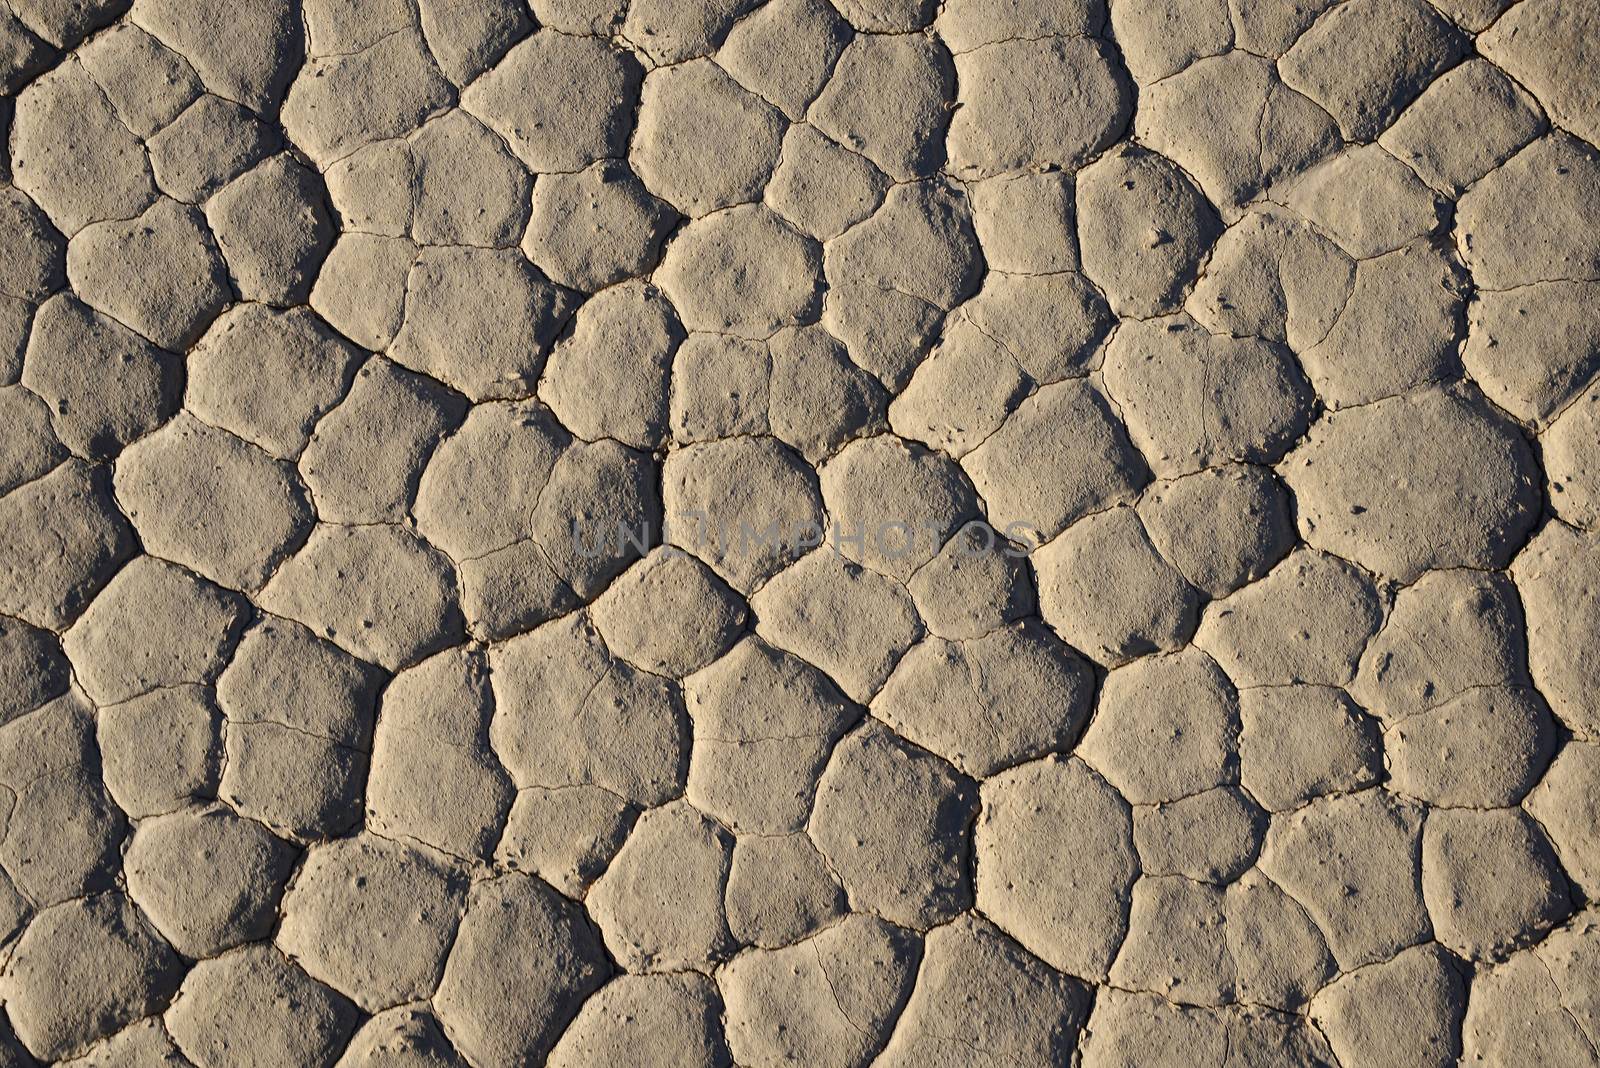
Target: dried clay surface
<point>838,533</point>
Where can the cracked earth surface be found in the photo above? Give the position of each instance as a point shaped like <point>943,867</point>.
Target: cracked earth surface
<point>705,532</point>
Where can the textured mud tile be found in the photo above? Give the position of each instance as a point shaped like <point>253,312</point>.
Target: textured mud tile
<point>153,625</point>
<point>1491,881</point>
<point>31,450</point>
<point>742,272</point>
<point>1562,175</point>
<point>1234,127</point>
<point>567,714</point>
<point>1279,955</point>
<point>511,590</point>
<point>1176,945</point>
<point>361,289</point>
<point>780,891</point>
<point>1027,104</point>
<point>61,832</point>
<point>147,83</point>
<point>660,903</point>
<point>1469,121</point>
<point>1533,348</point>
<point>1555,576</point>
<point>1300,742</point>
<point>830,1001</point>
<point>1061,456</point>
<point>1193,400</point>
<point>522,963</point>
<point>479,320</point>
<point>895,822</point>
<point>366,456</point>
<point>1566,810</point>
<point>291,1018</point>
<point>598,512</point>
<point>676,1018</point>
<point>36,265</point>
<point>1406,1011</point>
<point>851,622</point>
<point>817,399</point>
<point>1485,748</point>
<point>764,725</point>
<point>61,540</point>
<point>145,1044</point>
<point>1368,201</point>
<point>23,53</point>
<point>1222,528</point>
<point>339,29</point>
<point>608,378</point>
<point>595,227</point>
<point>82,971</point>
<point>1159,38</point>
<point>566,835</point>
<point>1306,622</point>
<point>1549,47</point>
<point>719,390</point>
<point>560,102</point>
<point>1365,61</point>
<point>1406,306</point>
<point>1272,275</point>
<point>283,673</point>
<point>948,1021</point>
<point>669,585</point>
<point>373,919</point>
<point>1128,1029</point>
<point>1026,222</point>
<point>703,142</point>
<point>1518,1009</point>
<point>888,16</point>
<point>269,376</point>
<point>434,778</point>
<point>210,144</point>
<point>274,228</point>
<point>920,243</point>
<point>1143,229</point>
<point>991,702</point>
<point>975,585</point>
<point>374,188</point>
<point>887,100</point>
<point>1051,325</point>
<point>1062,894</point>
<point>340,102</point>
<point>301,785</point>
<point>212,502</point>
<point>72,155</point>
<point>160,273</point>
<point>962,394</point>
<point>903,501</point>
<point>404,1037</point>
<point>248,56</point>
<point>1354,862</point>
<point>1106,590</point>
<point>33,669</point>
<point>16,318</point>
<point>886,332</point>
<point>468,38</point>
<point>161,751</point>
<point>207,879</point>
<point>378,592</point>
<point>1167,728</point>
<point>65,24</point>
<point>469,189</point>
<point>785,52</point>
<point>512,444</point>
<point>1210,837</point>
<point>599,18</point>
<point>1437,514</point>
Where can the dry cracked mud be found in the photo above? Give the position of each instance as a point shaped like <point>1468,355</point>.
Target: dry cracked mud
<point>840,533</point>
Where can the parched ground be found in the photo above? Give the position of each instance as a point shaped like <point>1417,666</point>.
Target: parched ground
<point>715,533</point>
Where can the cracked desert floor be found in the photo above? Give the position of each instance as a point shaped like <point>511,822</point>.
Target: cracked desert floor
<point>724,534</point>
